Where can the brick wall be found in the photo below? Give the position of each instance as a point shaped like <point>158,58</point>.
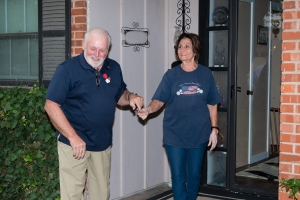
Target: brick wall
<point>78,25</point>
<point>290,94</point>
<point>78,29</point>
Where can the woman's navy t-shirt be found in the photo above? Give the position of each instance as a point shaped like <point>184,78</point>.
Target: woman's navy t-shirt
<point>186,121</point>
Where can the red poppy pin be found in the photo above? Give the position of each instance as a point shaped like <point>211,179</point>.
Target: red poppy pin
<point>107,79</point>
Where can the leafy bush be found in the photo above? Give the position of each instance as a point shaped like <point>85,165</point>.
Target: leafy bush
<point>292,186</point>
<point>28,164</point>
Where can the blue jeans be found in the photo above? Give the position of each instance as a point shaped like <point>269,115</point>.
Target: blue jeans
<point>185,170</point>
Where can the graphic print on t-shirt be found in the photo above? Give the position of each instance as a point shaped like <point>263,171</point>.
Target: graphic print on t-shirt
<point>189,89</point>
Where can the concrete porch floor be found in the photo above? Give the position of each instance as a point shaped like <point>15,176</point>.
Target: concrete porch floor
<point>149,192</point>
<point>153,192</point>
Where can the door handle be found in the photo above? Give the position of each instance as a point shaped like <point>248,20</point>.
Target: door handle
<point>238,89</point>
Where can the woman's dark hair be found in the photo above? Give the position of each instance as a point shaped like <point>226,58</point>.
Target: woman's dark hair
<point>196,43</point>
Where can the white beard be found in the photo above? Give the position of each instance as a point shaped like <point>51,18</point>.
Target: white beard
<point>94,61</point>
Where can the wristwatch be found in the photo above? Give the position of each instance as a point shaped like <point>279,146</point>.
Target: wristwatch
<point>215,128</point>
<point>130,93</point>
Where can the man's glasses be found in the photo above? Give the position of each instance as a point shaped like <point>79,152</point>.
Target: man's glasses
<point>97,77</point>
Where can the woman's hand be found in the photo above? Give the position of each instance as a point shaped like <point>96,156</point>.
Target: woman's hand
<point>143,113</point>
<point>213,140</point>
<point>154,106</point>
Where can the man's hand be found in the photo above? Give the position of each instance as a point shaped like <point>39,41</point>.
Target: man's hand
<point>61,124</point>
<point>79,147</point>
<point>136,102</point>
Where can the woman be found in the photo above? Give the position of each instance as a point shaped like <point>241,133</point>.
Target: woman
<point>190,118</point>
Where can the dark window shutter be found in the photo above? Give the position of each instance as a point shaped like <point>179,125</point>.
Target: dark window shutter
<point>55,31</point>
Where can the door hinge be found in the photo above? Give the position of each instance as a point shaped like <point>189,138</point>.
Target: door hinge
<point>249,92</point>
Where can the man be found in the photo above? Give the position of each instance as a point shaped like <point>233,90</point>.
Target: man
<point>80,102</point>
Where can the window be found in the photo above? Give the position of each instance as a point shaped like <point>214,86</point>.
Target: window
<point>19,39</point>
<point>34,39</point>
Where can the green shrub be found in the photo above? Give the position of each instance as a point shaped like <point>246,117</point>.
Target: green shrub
<point>292,186</point>
<point>29,162</point>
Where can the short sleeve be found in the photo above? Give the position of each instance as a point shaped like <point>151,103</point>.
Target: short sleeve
<point>59,86</point>
<point>122,88</point>
<point>163,90</point>
<point>213,98</point>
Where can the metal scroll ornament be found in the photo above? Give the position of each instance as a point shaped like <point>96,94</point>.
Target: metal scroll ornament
<point>183,20</point>
<point>136,37</point>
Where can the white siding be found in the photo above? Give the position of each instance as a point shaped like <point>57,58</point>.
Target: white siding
<point>138,158</point>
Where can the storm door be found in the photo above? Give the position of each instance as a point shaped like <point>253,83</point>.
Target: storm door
<point>255,63</point>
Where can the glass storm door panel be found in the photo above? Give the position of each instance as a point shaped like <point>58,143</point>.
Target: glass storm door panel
<point>256,88</point>
<point>244,101</point>
<point>253,79</point>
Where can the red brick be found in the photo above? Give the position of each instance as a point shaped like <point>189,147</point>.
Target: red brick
<point>79,35</point>
<point>291,35</point>
<point>297,149</point>
<point>289,138</point>
<point>78,51</point>
<point>288,5</point>
<point>287,67</point>
<point>79,27</point>
<point>288,176</point>
<point>288,46</point>
<point>286,56</point>
<point>298,68</point>
<point>291,56</point>
<point>286,108</point>
<point>290,77</point>
<point>297,169</point>
<point>72,35</point>
<point>285,98</point>
<point>289,158</point>
<point>288,14</point>
<point>295,56</point>
<point>80,4</point>
<point>289,25</point>
<point>288,128</point>
<point>288,168</point>
<point>76,43</point>
<point>298,109</point>
<point>298,129</point>
<point>282,195</point>
<point>80,11</point>
<point>80,19</point>
<point>288,88</point>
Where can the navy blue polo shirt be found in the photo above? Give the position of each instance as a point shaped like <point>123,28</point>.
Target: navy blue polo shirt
<point>89,108</point>
<point>186,121</point>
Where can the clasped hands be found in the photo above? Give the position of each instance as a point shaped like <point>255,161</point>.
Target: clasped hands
<point>137,103</point>
<point>143,113</point>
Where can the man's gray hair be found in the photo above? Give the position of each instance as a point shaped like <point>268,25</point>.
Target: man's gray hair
<point>99,31</point>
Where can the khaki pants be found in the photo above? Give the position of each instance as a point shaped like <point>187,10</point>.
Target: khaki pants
<point>72,173</point>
